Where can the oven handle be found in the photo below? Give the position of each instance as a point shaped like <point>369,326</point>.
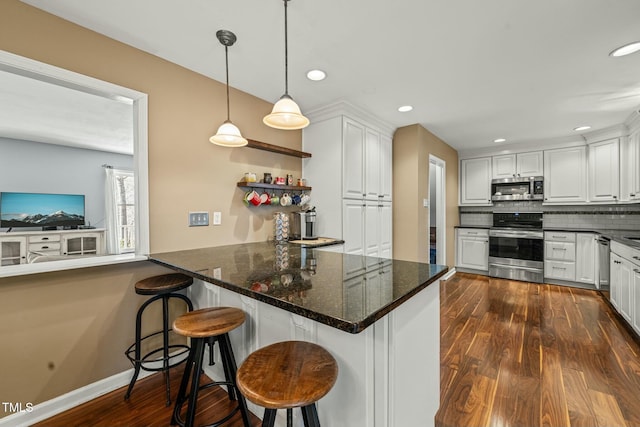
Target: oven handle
<point>515,267</point>
<point>517,234</point>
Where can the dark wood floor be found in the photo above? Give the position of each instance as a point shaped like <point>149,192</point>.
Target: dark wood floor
<point>522,354</point>
<point>146,407</point>
<point>513,354</point>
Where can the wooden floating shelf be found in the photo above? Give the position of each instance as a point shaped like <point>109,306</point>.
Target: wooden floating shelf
<point>276,149</point>
<point>272,186</point>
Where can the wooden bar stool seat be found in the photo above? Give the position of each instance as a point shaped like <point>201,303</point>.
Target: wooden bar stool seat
<point>163,287</point>
<point>204,326</point>
<point>287,375</point>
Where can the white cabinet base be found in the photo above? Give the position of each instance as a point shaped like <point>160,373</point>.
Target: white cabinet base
<point>386,377</point>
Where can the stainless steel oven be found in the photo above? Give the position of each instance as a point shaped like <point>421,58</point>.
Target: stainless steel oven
<point>516,246</point>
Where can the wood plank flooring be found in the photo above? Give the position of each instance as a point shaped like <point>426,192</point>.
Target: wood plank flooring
<point>513,354</point>
<point>146,407</point>
<point>523,354</point>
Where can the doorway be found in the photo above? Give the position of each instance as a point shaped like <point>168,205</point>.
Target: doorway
<point>437,241</point>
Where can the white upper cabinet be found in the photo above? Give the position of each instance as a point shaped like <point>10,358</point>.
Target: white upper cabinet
<point>518,165</point>
<point>633,166</point>
<point>565,175</point>
<point>530,164</point>
<point>604,171</point>
<point>353,147</point>
<point>367,162</point>
<point>386,165</point>
<point>504,166</point>
<point>475,181</point>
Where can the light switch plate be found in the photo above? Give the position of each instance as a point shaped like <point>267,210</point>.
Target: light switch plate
<point>198,219</point>
<point>217,218</point>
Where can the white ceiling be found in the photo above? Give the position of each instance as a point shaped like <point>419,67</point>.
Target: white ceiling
<point>528,71</point>
<point>40,111</point>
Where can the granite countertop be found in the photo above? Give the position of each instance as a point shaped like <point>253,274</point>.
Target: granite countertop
<point>347,292</point>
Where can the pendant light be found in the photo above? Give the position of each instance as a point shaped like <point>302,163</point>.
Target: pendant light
<point>286,113</point>
<point>228,134</point>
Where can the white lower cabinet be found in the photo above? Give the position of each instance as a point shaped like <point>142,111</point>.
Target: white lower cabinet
<point>586,258</point>
<point>621,285</point>
<point>560,255</point>
<point>570,257</point>
<point>625,283</point>
<point>472,248</point>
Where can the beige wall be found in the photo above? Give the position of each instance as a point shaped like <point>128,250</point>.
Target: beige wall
<point>83,320</point>
<point>412,146</point>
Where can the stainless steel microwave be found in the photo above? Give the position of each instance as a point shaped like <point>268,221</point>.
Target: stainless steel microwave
<point>531,188</point>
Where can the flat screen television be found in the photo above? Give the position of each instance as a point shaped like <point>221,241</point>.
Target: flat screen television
<point>41,210</point>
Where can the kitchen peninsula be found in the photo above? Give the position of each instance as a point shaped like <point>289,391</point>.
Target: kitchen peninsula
<point>378,317</point>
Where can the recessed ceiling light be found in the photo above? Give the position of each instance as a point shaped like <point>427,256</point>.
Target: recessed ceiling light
<point>405,108</point>
<point>579,128</point>
<point>316,75</point>
<point>499,140</point>
<point>627,49</point>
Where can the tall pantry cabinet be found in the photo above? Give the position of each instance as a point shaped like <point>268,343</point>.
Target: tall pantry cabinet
<point>351,174</point>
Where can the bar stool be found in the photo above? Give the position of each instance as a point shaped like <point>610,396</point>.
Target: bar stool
<point>206,326</point>
<point>287,375</point>
<point>162,287</point>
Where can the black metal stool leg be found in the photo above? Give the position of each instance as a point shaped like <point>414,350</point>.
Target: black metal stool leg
<point>289,417</point>
<point>269,418</point>
<point>228,375</point>
<point>165,346</point>
<point>198,344</point>
<point>310,416</point>
<point>183,388</point>
<point>225,347</point>
<point>137,364</point>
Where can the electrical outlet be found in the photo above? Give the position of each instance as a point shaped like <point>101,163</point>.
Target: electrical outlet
<point>198,219</point>
<point>217,273</point>
<point>217,218</point>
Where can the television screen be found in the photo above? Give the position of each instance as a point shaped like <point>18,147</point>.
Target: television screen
<point>41,210</point>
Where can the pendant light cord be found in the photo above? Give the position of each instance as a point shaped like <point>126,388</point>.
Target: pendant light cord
<point>286,52</point>
<point>226,60</point>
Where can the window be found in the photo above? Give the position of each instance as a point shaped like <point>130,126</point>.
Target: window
<point>120,207</point>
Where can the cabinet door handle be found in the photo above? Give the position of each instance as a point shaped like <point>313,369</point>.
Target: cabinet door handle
<point>559,237</point>
<point>615,197</point>
<point>45,247</point>
<point>45,238</point>
<point>636,257</point>
<point>559,249</point>
<point>635,270</point>
<point>632,195</point>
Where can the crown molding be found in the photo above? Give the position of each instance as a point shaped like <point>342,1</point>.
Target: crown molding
<point>343,108</point>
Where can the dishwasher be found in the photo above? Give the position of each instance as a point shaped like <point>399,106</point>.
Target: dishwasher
<point>604,247</point>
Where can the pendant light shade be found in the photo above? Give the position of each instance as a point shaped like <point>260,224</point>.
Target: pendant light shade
<point>286,113</point>
<point>228,134</point>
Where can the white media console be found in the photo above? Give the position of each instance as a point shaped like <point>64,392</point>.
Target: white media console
<point>37,246</point>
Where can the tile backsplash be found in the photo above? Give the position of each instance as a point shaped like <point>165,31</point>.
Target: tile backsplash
<point>588,217</point>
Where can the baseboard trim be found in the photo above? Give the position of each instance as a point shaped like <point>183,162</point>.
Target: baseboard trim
<point>59,404</point>
<point>449,274</point>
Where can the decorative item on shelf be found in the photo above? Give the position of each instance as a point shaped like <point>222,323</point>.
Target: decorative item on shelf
<point>250,177</point>
<point>286,113</point>
<point>280,180</point>
<point>228,134</point>
<point>289,179</point>
<point>267,178</point>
